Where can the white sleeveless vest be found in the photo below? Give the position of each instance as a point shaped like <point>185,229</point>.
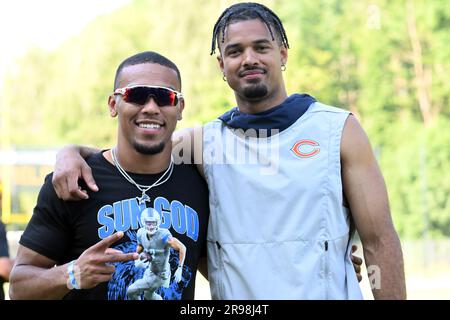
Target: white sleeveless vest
<point>278,228</point>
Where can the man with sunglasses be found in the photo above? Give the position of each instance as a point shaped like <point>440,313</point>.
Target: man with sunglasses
<point>283,233</point>
<point>87,249</point>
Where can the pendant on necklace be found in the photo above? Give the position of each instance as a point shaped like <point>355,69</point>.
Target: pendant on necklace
<point>144,198</point>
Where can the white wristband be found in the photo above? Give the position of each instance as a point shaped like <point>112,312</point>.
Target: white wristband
<point>72,282</point>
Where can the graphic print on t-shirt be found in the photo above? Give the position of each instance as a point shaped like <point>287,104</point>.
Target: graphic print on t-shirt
<point>155,274</point>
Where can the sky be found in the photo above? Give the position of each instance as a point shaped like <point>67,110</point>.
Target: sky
<point>44,23</point>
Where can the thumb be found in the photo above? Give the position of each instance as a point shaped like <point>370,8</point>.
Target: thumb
<point>86,174</point>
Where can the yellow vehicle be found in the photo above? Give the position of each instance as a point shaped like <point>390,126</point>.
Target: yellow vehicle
<point>22,174</point>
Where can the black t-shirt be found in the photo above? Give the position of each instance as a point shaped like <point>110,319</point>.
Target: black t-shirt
<point>4,252</point>
<point>62,230</point>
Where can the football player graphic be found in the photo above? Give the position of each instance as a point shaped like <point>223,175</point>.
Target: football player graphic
<point>153,246</point>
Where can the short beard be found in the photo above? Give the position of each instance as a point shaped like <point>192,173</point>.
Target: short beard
<point>256,92</point>
<point>149,150</point>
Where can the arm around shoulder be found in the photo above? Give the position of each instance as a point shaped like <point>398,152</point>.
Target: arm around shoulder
<point>69,167</point>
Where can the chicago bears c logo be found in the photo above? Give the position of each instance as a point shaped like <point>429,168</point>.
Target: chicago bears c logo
<point>306,148</point>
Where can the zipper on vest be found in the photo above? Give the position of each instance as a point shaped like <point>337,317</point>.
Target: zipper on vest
<point>220,282</point>
<point>326,270</point>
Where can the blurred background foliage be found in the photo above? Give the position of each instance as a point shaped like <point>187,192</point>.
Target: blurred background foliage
<point>386,61</point>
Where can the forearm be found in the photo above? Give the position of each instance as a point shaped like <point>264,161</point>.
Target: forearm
<point>384,261</point>
<point>180,247</point>
<point>30,282</point>
<point>182,255</point>
<point>72,149</point>
<point>87,151</point>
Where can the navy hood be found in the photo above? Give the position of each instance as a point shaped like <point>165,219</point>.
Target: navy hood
<point>279,117</point>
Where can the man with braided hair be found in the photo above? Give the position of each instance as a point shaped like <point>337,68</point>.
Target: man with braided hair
<point>283,233</point>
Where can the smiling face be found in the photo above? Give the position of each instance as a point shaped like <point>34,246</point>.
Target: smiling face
<point>146,128</point>
<point>251,62</point>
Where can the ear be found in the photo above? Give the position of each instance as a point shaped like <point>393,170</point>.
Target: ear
<point>220,61</point>
<point>283,54</point>
<point>180,109</point>
<point>112,104</point>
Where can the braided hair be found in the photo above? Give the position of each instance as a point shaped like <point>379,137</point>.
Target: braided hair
<point>248,11</point>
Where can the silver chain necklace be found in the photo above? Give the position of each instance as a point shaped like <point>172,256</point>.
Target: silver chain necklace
<point>143,188</point>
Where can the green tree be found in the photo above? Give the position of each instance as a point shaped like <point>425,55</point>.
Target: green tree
<point>386,61</point>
